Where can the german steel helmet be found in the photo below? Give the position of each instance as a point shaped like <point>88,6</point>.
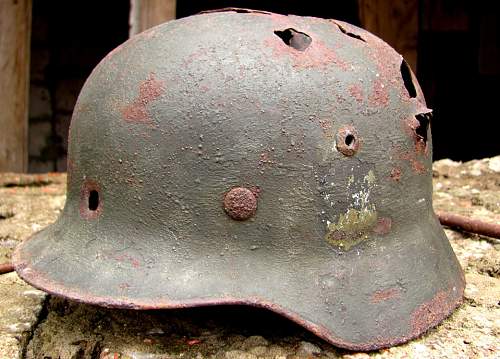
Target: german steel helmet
<point>245,157</point>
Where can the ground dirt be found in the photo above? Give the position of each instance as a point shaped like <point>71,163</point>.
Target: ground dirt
<point>34,325</point>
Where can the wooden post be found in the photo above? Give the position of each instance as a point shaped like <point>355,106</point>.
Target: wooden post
<point>15,34</point>
<point>395,22</point>
<point>145,14</point>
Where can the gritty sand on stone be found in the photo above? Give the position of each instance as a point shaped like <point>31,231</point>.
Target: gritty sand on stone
<point>37,326</point>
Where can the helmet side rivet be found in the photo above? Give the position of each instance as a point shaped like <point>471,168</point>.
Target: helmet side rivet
<point>240,203</point>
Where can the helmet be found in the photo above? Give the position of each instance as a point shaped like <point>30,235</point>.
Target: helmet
<point>245,157</point>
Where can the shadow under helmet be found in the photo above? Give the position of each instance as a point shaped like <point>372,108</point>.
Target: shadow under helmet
<point>245,157</point>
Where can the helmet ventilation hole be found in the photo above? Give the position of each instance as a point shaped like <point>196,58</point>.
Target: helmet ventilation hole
<point>293,38</point>
<point>93,200</point>
<point>407,79</point>
<point>347,141</point>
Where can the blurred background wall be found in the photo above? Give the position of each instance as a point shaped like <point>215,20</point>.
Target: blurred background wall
<point>453,45</point>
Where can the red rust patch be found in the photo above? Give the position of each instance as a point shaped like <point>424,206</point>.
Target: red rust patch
<point>386,59</point>
<point>240,203</point>
<point>87,188</point>
<point>420,147</point>
<point>149,90</point>
<point>197,55</point>
<point>126,258</point>
<point>411,157</point>
<point>383,226</point>
<point>416,165</point>
<point>383,295</point>
<point>255,190</point>
<point>410,126</point>
<point>379,95</point>
<point>316,55</point>
<point>6,268</point>
<point>357,92</point>
<point>396,174</point>
<point>431,313</point>
<point>326,127</point>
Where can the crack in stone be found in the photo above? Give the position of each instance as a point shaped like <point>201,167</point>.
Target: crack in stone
<point>29,335</point>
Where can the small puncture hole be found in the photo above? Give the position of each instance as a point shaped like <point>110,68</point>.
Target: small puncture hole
<point>424,120</point>
<point>407,79</point>
<point>93,200</point>
<point>293,38</point>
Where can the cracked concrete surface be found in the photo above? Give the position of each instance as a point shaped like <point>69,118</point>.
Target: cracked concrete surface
<point>20,308</point>
<point>34,325</point>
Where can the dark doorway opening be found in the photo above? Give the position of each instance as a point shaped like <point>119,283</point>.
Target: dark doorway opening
<point>68,40</point>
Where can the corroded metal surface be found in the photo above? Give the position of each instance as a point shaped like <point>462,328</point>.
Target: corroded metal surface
<point>240,203</point>
<point>469,224</point>
<point>6,268</point>
<point>318,121</point>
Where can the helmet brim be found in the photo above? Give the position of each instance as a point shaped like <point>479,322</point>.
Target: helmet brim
<point>415,282</point>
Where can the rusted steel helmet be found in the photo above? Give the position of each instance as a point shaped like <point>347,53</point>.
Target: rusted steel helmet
<point>245,157</point>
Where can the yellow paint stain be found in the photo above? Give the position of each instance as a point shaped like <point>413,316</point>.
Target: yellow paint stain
<point>350,181</point>
<point>352,227</point>
<point>355,225</point>
<point>370,178</point>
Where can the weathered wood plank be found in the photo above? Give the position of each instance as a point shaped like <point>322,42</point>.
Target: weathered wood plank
<point>396,22</point>
<point>145,14</point>
<point>15,34</point>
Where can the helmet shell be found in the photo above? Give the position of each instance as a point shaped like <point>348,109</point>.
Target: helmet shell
<point>244,157</point>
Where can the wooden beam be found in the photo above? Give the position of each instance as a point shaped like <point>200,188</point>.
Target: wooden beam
<point>396,22</point>
<point>15,34</point>
<point>145,14</point>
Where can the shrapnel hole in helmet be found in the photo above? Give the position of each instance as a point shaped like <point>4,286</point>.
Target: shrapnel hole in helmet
<point>93,200</point>
<point>293,38</point>
<point>344,31</point>
<point>423,125</point>
<point>407,79</point>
